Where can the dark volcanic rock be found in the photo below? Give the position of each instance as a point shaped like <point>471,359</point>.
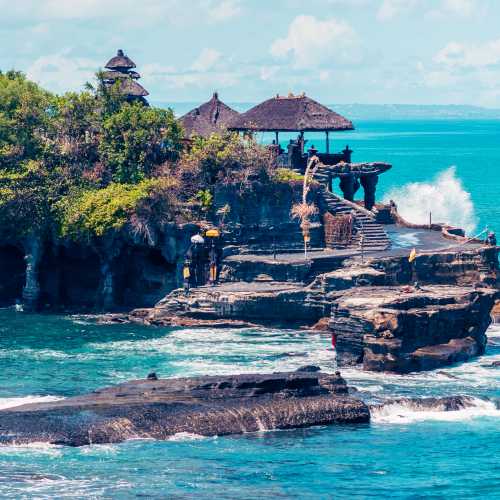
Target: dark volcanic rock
<point>203,405</point>
<point>402,330</point>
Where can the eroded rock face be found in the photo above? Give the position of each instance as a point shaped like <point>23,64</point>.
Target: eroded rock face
<point>202,405</point>
<point>401,329</point>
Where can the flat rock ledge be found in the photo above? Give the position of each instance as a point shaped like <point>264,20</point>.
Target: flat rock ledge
<point>207,406</point>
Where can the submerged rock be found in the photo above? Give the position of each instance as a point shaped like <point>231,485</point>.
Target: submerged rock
<point>445,403</point>
<point>206,406</point>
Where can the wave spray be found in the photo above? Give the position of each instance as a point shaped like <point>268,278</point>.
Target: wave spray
<point>445,197</point>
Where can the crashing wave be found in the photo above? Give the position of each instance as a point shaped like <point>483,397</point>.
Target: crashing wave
<point>451,408</point>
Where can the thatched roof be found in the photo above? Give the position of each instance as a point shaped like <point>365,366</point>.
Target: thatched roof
<point>211,117</point>
<point>132,88</point>
<point>113,75</point>
<point>291,114</point>
<point>120,61</point>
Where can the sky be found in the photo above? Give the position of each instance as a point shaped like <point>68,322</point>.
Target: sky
<point>337,51</point>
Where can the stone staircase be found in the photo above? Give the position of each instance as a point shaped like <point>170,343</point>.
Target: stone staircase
<point>374,236</point>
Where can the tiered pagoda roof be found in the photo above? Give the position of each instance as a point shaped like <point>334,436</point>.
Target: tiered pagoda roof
<point>293,113</point>
<point>120,68</point>
<point>211,117</point>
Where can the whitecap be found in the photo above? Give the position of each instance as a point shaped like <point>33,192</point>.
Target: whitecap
<point>187,436</point>
<point>24,400</point>
<point>406,412</point>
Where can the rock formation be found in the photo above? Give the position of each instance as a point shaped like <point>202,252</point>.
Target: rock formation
<point>402,330</point>
<point>206,406</point>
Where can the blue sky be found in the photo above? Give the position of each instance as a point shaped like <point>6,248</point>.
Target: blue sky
<point>337,51</point>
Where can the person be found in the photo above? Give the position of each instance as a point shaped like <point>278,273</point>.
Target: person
<point>18,306</point>
<point>186,276</point>
<point>196,255</point>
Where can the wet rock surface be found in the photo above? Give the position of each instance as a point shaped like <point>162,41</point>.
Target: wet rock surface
<point>445,403</point>
<point>208,406</point>
<point>403,329</point>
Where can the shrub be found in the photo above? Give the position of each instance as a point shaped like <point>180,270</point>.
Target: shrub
<point>92,213</point>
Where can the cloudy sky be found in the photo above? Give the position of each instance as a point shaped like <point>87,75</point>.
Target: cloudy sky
<point>343,51</point>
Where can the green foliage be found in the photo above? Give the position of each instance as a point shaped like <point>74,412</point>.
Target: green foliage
<point>85,164</point>
<point>27,197</point>
<point>136,139</point>
<point>92,213</point>
<point>223,158</point>
<point>24,120</point>
<point>205,198</point>
<point>287,175</point>
<point>76,130</point>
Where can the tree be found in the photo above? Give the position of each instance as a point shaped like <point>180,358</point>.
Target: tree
<point>76,131</point>
<point>25,111</point>
<point>138,138</point>
<point>223,158</point>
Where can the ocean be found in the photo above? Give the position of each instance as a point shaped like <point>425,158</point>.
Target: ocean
<point>446,167</point>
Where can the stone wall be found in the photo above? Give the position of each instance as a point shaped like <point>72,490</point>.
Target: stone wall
<point>260,216</point>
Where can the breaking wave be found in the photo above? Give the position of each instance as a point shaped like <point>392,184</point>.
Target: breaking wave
<point>409,411</point>
<point>445,197</point>
<point>13,402</point>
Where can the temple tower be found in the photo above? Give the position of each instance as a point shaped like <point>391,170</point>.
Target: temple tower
<point>120,69</point>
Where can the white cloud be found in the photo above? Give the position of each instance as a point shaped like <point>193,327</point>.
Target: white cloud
<point>206,60</point>
<point>459,55</point>
<point>225,9</point>
<point>463,8</point>
<point>268,72</point>
<point>208,71</point>
<point>389,9</point>
<point>127,12</point>
<point>212,80</point>
<point>311,41</point>
<point>62,72</point>
<point>457,8</point>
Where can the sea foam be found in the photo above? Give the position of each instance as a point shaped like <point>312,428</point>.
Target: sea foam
<point>445,197</point>
<point>13,402</point>
<point>407,412</point>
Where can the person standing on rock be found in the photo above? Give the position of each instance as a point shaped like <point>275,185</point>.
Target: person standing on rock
<point>186,276</point>
<point>196,256</point>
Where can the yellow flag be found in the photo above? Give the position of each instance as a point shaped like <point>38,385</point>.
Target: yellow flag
<point>413,255</point>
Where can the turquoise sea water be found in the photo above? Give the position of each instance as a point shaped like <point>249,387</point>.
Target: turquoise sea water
<point>401,454</point>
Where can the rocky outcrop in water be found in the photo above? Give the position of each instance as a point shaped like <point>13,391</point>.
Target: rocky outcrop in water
<point>444,403</point>
<point>208,406</point>
<point>405,329</point>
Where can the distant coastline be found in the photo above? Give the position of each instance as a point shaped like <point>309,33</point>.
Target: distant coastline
<point>377,111</point>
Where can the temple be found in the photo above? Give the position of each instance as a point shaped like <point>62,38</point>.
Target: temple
<point>295,113</point>
<point>120,70</point>
<point>212,117</point>
<point>301,114</point>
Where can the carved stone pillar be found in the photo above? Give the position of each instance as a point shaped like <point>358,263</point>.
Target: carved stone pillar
<point>31,290</point>
<point>349,185</point>
<point>369,183</point>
